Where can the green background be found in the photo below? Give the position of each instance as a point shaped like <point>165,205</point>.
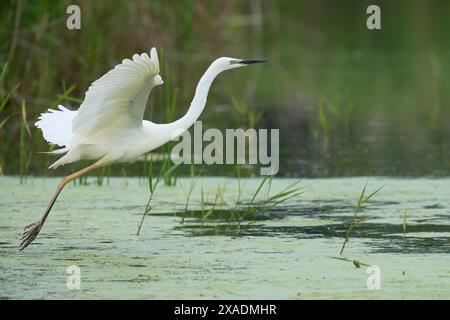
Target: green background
<point>347,100</point>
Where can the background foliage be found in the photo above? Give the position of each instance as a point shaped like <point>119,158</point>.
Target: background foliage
<point>347,100</point>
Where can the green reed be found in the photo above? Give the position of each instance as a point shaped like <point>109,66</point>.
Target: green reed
<point>243,210</point>
<point>188,192</point>
<point>25,132</point>
<point>404,224</point>
<point>153,184</point>
<point>358,208</point>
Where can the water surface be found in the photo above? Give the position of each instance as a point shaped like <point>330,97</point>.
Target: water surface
<point>285,253</point>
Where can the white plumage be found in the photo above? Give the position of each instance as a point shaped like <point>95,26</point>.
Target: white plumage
<point>108,126</point>
<point>120,94</point>
<point>56,125</point>
<point>115,101</point>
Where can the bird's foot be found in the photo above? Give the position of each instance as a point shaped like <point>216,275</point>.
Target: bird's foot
<point>30,233</point>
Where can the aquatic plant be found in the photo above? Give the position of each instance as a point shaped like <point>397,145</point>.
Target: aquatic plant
<point>168,102</point>
<point>152,185</point>
<point>189,191</point>
<point>243,211</point>
<point>404,224</point>
<point>24,157</point>
<point>153,182</point>
<point>206,212</point>
<point>359,206</point>
<point>356,263</point>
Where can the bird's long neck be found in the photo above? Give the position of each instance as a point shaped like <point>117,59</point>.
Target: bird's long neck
<point>198,102</point>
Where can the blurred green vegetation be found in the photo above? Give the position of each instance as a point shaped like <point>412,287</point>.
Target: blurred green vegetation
<point>347,100</point>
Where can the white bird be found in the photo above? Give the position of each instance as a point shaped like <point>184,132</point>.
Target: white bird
<point>109,126</point>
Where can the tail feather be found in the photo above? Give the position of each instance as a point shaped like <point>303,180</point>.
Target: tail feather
<point>60,162</point>
<point>57,151</point>
<point>56,126</point>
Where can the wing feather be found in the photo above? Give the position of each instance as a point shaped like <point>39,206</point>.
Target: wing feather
<point>118,97</point>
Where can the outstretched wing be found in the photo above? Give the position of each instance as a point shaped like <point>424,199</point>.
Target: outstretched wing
<point>118,97</point>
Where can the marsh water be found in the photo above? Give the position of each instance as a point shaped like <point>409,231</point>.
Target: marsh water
<point>286,252</point>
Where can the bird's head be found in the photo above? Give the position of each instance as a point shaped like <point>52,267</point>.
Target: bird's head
<point>157,80</point>
<point>226,63</point>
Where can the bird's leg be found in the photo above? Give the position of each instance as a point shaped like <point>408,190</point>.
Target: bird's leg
<point>32,230</point>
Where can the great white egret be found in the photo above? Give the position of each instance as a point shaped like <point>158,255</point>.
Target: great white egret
<point>108,126</point>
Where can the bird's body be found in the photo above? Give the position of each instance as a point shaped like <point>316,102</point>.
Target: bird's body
<point>109,127</point>
<point>115,143</point>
